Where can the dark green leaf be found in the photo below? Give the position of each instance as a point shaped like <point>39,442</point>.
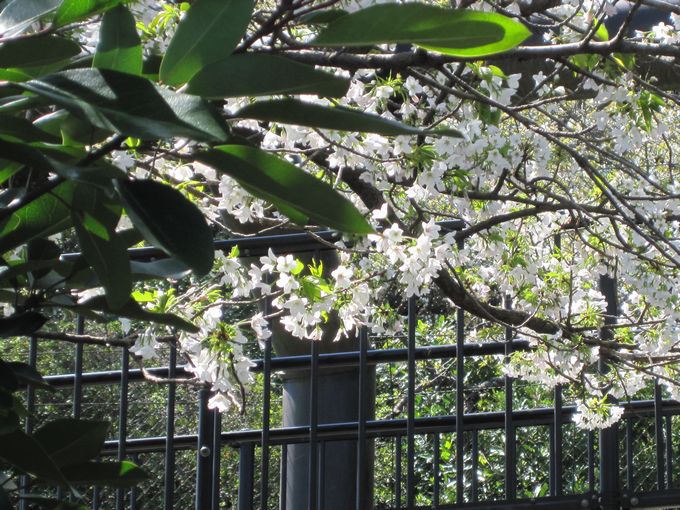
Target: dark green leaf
<point>273,178</point>
<point>8,379</point>
<point>28,375</point>
<point>170,221</point>
<point>22,129</point>
<point>322,17</point>
<point>73,130</point>
<point>119,45</point>
<point>28,455</point>
<point>42,250</point>
<point>257,75</point>
<point>71,11</point>
<point>209,32</point>
<point>37,51</point>
<point>459,32</point>
<point>132,310</point>
<point>107,254</point>
<point>7,170</point>
<point>111,474</point>
<point>20,14</point>
<point>69,441</point>
<point>130,104</point>
<point>292,111</point>
<point>21,324</point>
<point>9,422</point>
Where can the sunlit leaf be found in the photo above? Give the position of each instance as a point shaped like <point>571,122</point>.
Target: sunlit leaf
<point>209,32</point>
<point>459,32</point>
<point>119,45</point>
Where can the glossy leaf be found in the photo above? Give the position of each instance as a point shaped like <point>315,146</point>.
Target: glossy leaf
<point>28,455</point>
<point>21,324</point>
<point>292,111</point>
<point>22,129</point>
<point>107,254</point>
<point>71,11</point>
<point>458,32</point>
<point>132,310</point>
<point>69,441</point>
<point>170,221</point>
<point>164,268</point>
<point>257,75</point>
<point>273,178</point>
<point>37,51</point>
<point>209,32</point>
<point>119,45</point>
<point>111,474</point>
<point>129,104</point>
<point>20,14</point>
<point>45,215</point>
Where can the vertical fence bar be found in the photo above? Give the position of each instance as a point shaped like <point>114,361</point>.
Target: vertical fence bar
<point>436,454</point>
<point>557,443</point>
<point>78,370</point>
<point>216,455</point>
<point>475,465</point>
<point>134,491</point>
<point>510,433</point>
<point>321,477</point>
<point>30,409</point>
<point>169,460</point>
<point>609,443</point>
<point>284,477</point>
<point>123,419</point>
<point>361,425</point>
<point>246,471</point>
<point>266,416</point>
<point>411,409</point>
<point>591,461</point>
<point>658,434</point>
<point>460,399</point>
<point>669,452</point>
<point>313,424</point>
<point>204,453</point>
<point>397,472</point>
<point>630,481</point>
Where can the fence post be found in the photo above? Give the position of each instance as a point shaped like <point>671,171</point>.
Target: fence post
<point>204,455</point>
<point>609,441</point>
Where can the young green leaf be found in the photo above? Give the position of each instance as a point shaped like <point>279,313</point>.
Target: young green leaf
<point>459,32</point>
<point>119,47</point>
<point>37,51</point>
<point>71,11</point>
<point>292,111</point>
<point>273,178</point>
<point>209,32</point>
<point>170,221</point>
<point>42,217</point>
<point>130,104</point>
<point>258,75</point>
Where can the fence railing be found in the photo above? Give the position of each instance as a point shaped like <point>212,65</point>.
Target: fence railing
<point>463,458</point>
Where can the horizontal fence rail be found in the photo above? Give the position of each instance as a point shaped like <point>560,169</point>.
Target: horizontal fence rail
<point>304,448</point>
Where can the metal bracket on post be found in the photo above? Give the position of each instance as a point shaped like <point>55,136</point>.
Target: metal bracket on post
<point>609,441</point>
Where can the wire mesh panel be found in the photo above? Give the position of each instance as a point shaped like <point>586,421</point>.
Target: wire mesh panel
<point>427,419</point>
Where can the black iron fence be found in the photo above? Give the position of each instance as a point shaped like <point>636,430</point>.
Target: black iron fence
<point>329,449</point>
